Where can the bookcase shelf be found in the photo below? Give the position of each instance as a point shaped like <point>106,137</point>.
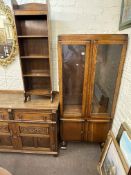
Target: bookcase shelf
<point>35,57</point>
<point>33,37</point>
<point>43,74</point>
<point>28,13</point>
<point>45,92</point>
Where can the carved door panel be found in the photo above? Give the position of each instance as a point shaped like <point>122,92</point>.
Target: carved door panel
<point>37,137</point>
<point>4,114</point>
<point>5,136</point>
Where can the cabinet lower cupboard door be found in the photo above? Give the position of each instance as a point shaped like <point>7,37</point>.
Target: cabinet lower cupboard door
<point>5,136</point>
<point>97,131</point>
<point>72,130</point>
<point>37,137</point>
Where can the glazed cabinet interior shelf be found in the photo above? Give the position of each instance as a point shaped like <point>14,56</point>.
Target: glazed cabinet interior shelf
<point>33,30</point>
<point>90,69</point>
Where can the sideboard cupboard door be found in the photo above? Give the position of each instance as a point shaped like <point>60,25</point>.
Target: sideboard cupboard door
<point>5,136</point>
<point>73,66</point>
<point>37,137</point>
<point>107,66</point>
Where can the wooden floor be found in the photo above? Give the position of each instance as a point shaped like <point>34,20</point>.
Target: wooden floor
<point>78,159</point>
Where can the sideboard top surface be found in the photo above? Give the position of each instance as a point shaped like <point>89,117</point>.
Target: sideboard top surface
<point>16,101</point>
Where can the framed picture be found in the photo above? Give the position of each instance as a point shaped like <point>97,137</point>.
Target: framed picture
<point>124,141</point>
<point>112,161</point>
<point>125,17</point>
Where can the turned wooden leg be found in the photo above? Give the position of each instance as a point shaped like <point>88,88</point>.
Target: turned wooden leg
<point>63,145</point>
<point>51,98</point>
<point>26,97</point>
<point>29,97</point>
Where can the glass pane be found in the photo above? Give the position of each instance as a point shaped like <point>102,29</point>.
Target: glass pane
<point>73,76</point>
<point>108,59</point>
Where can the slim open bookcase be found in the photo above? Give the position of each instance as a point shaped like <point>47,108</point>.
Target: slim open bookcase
<point>32,25</point>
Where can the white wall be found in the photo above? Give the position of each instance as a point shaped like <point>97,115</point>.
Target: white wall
<point>10,76</point>
<point>86,16</point>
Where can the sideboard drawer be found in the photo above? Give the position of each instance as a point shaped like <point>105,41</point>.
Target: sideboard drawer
<point>32,116</point>
<point>4,114</point>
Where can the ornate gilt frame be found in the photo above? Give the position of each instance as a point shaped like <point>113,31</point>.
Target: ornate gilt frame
<point>111,139</point>
<point>7,11</point>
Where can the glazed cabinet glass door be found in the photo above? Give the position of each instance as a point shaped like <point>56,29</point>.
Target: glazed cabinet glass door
<point>107,69</point>
<point>74,64</point>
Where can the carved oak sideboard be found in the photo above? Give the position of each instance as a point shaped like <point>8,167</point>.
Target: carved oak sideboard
<point>30,127</point>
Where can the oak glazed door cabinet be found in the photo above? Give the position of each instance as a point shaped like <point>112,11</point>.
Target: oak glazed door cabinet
<point>90,70</point>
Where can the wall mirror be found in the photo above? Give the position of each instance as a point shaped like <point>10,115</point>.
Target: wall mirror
<point>8,39</point>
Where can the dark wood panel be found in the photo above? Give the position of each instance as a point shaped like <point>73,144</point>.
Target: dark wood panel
<point>4,114</point>
<point>30,66</point>
<point>72,130</point>
<point>32,25</point>
<point>33,46</point>
<point>34,83</point>
<point>5,136</point>
<point>96,131</point>
<point>36,143</point>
